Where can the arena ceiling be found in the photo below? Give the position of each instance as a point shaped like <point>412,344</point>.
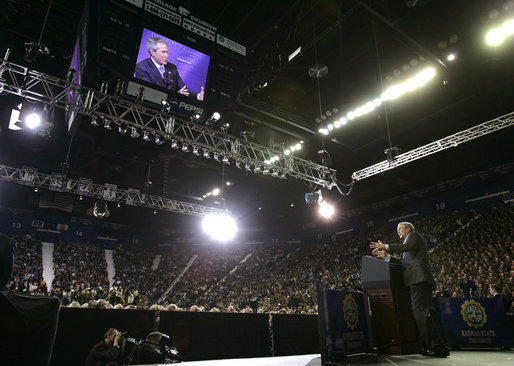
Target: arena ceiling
<point>365,46</point>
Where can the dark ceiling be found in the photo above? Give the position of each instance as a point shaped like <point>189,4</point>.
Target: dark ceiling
<point>365,45</point>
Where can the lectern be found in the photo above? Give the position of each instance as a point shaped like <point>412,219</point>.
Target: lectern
<point>393,321</point>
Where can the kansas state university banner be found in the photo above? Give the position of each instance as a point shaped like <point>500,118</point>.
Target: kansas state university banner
<point>474,322</point>
<point>344,324</point>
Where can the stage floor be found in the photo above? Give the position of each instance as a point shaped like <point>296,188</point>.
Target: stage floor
<point>457,358</point>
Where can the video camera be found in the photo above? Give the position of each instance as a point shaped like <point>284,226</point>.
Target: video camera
<point>153,349</point>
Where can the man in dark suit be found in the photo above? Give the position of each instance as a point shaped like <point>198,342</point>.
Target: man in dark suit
<point>418,277</point>
<point>157,70</point>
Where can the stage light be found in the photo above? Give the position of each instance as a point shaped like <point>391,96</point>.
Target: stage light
<point>224,126</point>
<point>147,136</point>
<point>258,169</point>
<point>185,148</point>
<point>267,162</point>
<point>108,125</point>
<point>350,115</point>
<point>451,57</point>
<point>287,151</point>
<point>266,171</point>
<point>100,209</point>
<point>159,140</point>
<point>215,191</point>
<point>326,210</point>
<point>216,116</point>
<point>95,122</point>
<point>225,160</point>
<point>33,121</point>
<point>281,174</point>
<point>337,124</point>
<point>313,198</point>
<point>165,106</point>
<point>330,127</point>
<point>134,133</point>
<point>207,154</point>
<point>174,144</point>
<point>508,27</point>
<point>298,146</point>
<point>220,227</point>
<point>274,173</point>
<point>195,151</point>
<point>123,129</point>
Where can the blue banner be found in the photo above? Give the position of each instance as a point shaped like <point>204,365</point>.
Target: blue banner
<point>474,322</point>
<point>344,324</point>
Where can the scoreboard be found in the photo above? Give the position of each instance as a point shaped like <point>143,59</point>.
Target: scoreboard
<point>112,38</point>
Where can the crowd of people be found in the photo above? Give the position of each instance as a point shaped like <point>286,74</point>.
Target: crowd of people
<point>469,253</point>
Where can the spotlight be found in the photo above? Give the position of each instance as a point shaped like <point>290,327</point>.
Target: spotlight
<point>313,198</point>
<point>224,126</point>
<point>147,136</point>
<point>159,140</point>
<point>207,154</point>
<point>100,209</point>
<point>287,151</point>
<point>108,125</point>
<point>282,174</point>
<point>165,106</point>
<point>226,160</point>
<point>155,212</point>
<point>95,122</point>
<point>216,116</point>
<point>274,173</point>
<point>215,191</point>
<point>195,151</point>
<point>185,148</point>
<point>326,210</point>
<point>174,144</point>
<point>267,171</point>
<point>220,227</point>
<point>123,129</point>
<point>451,57</point>
<point>248,167</point>
<point>134,133</point>
<point>258,169</point>
<point>33,120</point>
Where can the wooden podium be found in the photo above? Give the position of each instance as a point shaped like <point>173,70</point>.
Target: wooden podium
<point>394,324</point>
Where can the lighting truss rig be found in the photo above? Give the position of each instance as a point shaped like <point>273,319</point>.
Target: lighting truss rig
<point>437,146</point>
<point>107,193</point>
<point>55,92</point>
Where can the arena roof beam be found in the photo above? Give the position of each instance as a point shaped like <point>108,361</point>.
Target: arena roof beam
<point>30,177</point>
<point>437,146</point>
<point>36,86</point>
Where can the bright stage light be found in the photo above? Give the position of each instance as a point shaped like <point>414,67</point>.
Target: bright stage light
<point>33,121</point>
<point>326,210</point>
<point>220,227</point>
<point>215,191</point>
<point>494,37</point>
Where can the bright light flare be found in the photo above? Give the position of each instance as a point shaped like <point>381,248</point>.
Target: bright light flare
<point>220,227</point>
<point>326,210</point>
<point>33,121</point>
<point>215,191</point>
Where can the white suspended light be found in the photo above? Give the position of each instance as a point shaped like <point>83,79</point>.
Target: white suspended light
<point>287,151</point>
<point>215,191</point>
<point>494,37</point>
<point>451,57</point>
<point>220,227</point>
<point>326,210</point>
<point>508,27</point>
<point>33,121</point>
<point>350,115</point>
<point>330,127</point>
<point>337,124</point>
<point>298,146</point>
<point>216,116</point>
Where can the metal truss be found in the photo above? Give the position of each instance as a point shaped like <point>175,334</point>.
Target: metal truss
<point>36,86</point>
<point>439,145</point>
<point>107,192</point>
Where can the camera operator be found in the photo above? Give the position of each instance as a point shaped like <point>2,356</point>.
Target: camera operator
<point>107,351</point>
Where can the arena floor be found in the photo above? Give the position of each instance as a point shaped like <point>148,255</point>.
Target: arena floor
<point>457,358</point>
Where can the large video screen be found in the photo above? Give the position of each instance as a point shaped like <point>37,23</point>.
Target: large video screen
<point>168,64</point>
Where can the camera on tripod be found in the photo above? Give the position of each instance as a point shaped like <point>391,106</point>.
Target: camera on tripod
<point>153,349</point>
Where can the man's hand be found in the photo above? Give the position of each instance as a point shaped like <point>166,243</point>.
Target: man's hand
<point>377,245</point>
<point>183,91</point>
<point>380,253</point>
<point>117,338</point>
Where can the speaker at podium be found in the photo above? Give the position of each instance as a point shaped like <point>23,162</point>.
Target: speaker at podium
<point>394,324</point>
